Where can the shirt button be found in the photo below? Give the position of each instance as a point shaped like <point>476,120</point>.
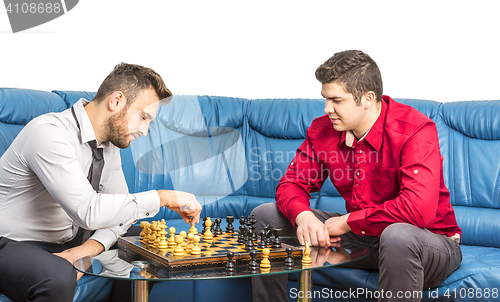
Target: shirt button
<point>292,163</point>
<point>357,173</point>
<point>121,224</point>
<point>363,232</point>
<point>355,196</point>
<point>147,214</point>
<point>415,171</point>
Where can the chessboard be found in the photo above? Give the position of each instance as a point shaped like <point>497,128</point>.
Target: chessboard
<point>211,252</point>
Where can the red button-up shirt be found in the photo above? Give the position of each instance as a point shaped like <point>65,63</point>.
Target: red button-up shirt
<point>394,174</point>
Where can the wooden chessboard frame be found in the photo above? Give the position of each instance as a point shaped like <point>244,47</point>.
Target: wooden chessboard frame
<point>132,249</point>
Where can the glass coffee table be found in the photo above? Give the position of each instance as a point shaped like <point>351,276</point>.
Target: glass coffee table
<point>110,264</point>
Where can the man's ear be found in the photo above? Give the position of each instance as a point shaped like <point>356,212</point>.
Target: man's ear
<point>116,101</point>
<point>370,99</point>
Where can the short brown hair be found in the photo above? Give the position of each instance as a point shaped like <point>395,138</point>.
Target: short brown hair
<point>132,80</point>
<point>355,71</point>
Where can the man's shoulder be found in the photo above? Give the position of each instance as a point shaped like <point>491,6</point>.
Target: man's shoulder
<point>321,122</point>
<point>404,119</point>
<point>50,124</point>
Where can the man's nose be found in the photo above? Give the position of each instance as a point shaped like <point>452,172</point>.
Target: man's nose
<point>143,128</point>
<point>329,109</point>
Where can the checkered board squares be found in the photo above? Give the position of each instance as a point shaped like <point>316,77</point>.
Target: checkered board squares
<point>213,254</point>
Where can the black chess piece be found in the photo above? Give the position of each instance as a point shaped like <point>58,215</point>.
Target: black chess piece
<point>269,242</point>
<point>230,228</point>
<point>230,265</point>
<point>262,243</point>
<point>253,267</point>
<point>253,221</point>
<point>241,234</point>
<point>277,240</point>
<point>249,243</point>
<point>289,260</point>
<point>218,230</point>
<point>242,220</point>
<point>204,225</point>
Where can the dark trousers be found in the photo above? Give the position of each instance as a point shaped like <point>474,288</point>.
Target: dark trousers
<point>29,271</point>
<point>408,258</point>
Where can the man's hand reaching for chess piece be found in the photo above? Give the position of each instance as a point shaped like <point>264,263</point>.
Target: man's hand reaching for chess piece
<point>183,203</point>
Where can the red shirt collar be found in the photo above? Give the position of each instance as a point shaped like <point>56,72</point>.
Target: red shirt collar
<point>375,135</point>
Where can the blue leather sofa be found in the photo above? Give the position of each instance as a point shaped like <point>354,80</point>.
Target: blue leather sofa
<point>232,152</point>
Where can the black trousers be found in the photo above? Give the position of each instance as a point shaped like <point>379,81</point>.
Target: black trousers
<point>408,258</point>
<point>29,271</point>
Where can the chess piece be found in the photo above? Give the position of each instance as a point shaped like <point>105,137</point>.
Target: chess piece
<point>193,230</point>
<point>217,230</point>
<point>171,239</point>
<point>230,265</point>
<point>241,234</point>
<point>262,243</point>
<point>229,228</point>
<point>253,221</point>
<point>242,220</point>
<point>306,259</point>
<point>207,236</point>
<point>190,245</point>
<point>178,251</point>
<point>265,263</point>
<point>163,244</point>
<point>184,235</point>
<point>146,236</point>
<point>269,242</point>
<point>152,237</point>
<point>249,243</point>
<point>289,260</point>
<point>204,225</point>
<point>253,267</point>
<point>196,250</point>
<point>277,240</point>
<point>143,232</point>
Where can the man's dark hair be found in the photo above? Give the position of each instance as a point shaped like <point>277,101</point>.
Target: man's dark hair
<point>355,71</point>
<point>132,80</point>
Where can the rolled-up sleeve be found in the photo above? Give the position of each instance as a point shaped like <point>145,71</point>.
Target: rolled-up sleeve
<point>304,175</point>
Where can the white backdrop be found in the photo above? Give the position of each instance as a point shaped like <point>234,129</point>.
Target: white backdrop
<point>438,50</point>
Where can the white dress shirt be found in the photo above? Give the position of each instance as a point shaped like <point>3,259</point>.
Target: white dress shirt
<point>44,191</point>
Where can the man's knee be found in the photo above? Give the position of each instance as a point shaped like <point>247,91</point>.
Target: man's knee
<point>265,210</point>
<point>399,237</point>
<point>57,284</point>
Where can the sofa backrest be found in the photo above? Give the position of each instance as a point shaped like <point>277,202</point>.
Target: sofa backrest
<point>469,137</point>
<point>19,106</point>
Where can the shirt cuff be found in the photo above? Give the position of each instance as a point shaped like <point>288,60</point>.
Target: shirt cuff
<point>106,237</point>
<point>148,204</point>
<point>357,222</point>
<point>294,210</point>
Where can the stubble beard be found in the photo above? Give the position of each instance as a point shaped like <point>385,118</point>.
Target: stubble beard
<point>117,130</point>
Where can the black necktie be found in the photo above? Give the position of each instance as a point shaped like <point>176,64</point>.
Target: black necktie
<point>96,166</point>
<point>95,171</point>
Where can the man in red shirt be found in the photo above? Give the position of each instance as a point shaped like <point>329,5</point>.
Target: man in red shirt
<point>384,159</point>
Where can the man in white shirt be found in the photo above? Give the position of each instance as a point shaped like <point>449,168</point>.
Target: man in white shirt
<point>52,189</point>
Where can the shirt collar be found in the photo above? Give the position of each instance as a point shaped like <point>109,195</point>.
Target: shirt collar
<point>86,130</point>
<point>374,135</point>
